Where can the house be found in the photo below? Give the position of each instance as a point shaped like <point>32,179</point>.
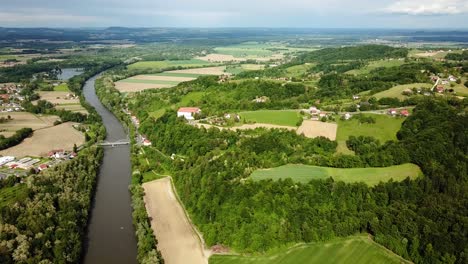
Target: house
<point>146,142</point>
<point>188,112</point>
<point>404,113</point>
<point>6,159</point>
<point>5,97</point>
<point>347,116</point>
<point>452,78</point>
<point>392,111</point>
<point>440,89</point>
<point>261,99</point>
<point>314,111</point>
<point>356,97</point>
<point>42,167</point>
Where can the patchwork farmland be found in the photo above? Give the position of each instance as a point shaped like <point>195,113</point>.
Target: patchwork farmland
<point>166,79</point>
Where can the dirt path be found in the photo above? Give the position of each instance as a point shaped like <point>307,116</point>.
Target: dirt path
<point>178,240</point>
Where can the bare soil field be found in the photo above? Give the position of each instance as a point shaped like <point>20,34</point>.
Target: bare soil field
<point>125,87</point>
<point>220,58</point>
<point>56,97</point>
<point>73,107</point>
<point>162,78</point>
<point>42,141</point>
<point>25,119</point>
<point>205,71</point>
<point>177,240</point>
<point>313,129</point>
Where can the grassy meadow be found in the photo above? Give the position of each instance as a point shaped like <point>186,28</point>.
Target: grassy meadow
<point>355,249</point>
<point>397,91</point>
<point>168,64</point>
<point>274,117</point>
<point>376,64</point>
<point>12,194</point>
<point>370,176</point>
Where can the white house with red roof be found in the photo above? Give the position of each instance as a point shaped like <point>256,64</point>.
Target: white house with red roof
<point>188,112</point>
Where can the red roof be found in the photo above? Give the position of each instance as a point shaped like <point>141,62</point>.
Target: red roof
<point>189,109</point>
<point>5,96</point>
<point>404,112</point>
<point>43,166</point>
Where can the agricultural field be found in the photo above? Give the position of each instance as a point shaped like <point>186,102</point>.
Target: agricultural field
<point>460,89</point>
<point>377,64</point>
<point>274,117</point>
<point>397,91</point>
<point>312,129</point>
<point>299,70</point>
<point>10,195</point>
<point>370,176</point>
<point>166,79</point>
<point>63,100</point>
<point>384,129</point>
<point>350,250</point>
<point>177,239</point>
<point>244,67</point>
<point>62,136</point>
<point>168,64</point>
<point>63,87</point>
<point>24,119</point>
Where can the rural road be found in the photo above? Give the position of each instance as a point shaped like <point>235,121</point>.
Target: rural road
<point>177,240</point>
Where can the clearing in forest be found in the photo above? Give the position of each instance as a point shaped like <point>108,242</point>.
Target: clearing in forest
<point>177,239</point>
<point>370,176</point>
<point>274,117</point>
<point>350,250</point>
<point>312,129</point>
<point>62,136</point>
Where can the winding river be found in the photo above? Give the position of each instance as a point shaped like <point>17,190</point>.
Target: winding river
<point>111,236</point>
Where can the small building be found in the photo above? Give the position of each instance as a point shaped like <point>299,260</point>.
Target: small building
<point>392,111</point>
<point>440,89</point>
<point>6,159</point>
<point>261,99</point>
<point>42,167</point>
<point>404,113</point>
<point>188,112</point>
<point>347,116</point>
<point>356,97</point>
<point>146,143</point>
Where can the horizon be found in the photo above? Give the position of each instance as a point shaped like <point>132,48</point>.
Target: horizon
<point>343,14</point>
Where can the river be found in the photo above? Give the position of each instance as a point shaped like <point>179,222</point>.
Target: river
<point>110,236</point>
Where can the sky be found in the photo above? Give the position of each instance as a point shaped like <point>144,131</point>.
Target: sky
<point>236,13</point>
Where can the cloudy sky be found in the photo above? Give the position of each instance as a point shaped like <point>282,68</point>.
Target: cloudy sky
<point>236,13</point>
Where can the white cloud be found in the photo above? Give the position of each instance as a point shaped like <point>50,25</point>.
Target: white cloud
<point>428,7</point>
<point>31,16</point>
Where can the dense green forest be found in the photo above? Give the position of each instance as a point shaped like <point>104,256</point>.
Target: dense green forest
<point>47,227</point>
<point>409,217</point>
<point>362,52</point>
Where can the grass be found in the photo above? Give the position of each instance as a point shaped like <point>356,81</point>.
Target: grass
<point>10,195</point>
<point>298,70</point>
<point>150,81</point>
<point>274,117</point>
<point>384,129</point>
<point>397,91</point>
<point>192,96</point>
<point>376,64</point>
<point>167,64</point>
<point>370,176</point>
<point>177,74</point>
<point>151,176</point>
<point>63,87</point>
<point>350,250</point>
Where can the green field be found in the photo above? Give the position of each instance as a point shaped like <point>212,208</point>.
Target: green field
<point>298,70</point>
<point>355,249</point>
<point>168,64</point>
<point>236,69</point>
<point>62,88</point>
<point>12,194</point>
<point>397,91</point>
<point>370,176</point>
<point>191,97</point>
<point>274,117</point>
<point>384,129</point>
<point>177,74</point>
<point>376,64</point>
<point>150,81</point>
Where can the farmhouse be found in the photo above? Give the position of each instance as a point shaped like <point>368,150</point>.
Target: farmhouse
<point>404,112</point>
<point>392,111</point>
<point>440,89</point>
<point>146,142</point>
<point>188,112</point>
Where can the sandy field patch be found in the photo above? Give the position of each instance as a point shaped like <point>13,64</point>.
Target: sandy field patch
<point>177,240</point>
<point>25,119</point>
<point>126,87</point>
<point>42,141</point>
<point>73,107</point>
<point>162,78</point>
<point>313,129</point>
<point>204,71</point>
<point>428,54</point>
<point>220,58</point>
<point>7,134</point>
<point>56,97</point>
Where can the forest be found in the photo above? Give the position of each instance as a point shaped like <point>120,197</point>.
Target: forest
<point>409,217</point>
<point>15,139</point>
